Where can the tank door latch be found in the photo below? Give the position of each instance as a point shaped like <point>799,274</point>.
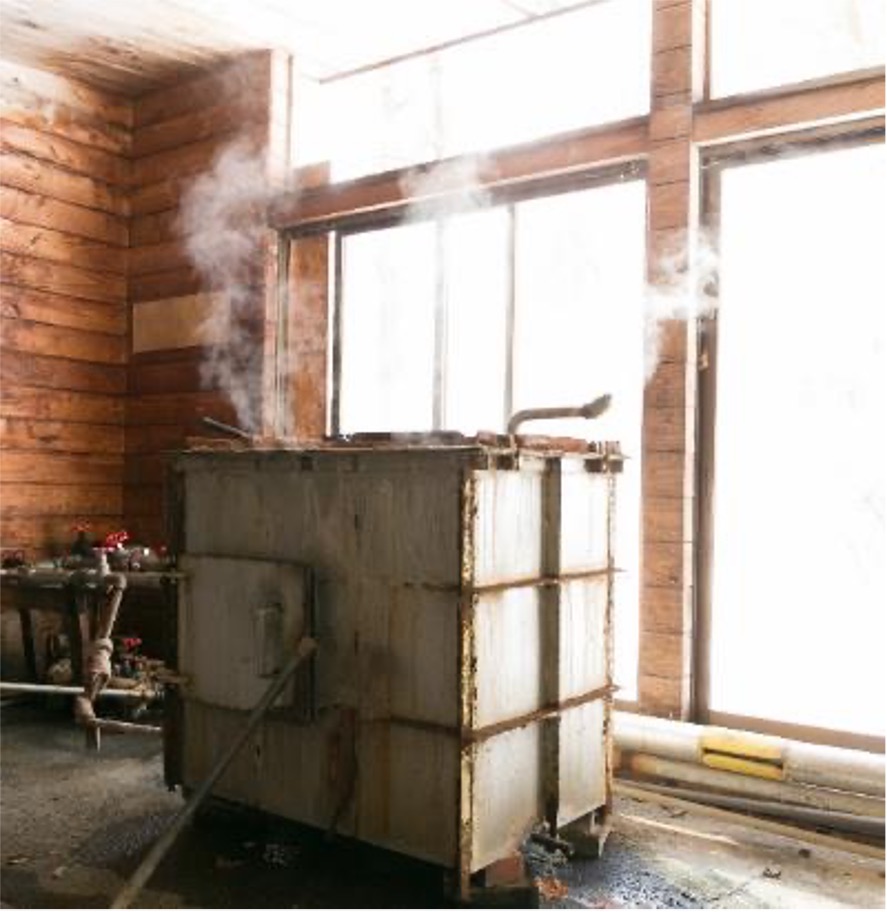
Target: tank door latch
<point>269,640</point>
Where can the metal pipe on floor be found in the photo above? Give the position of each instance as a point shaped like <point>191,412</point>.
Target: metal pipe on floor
<point>792,793</point>
<point>135,694</point>
<point>758,823</point>
<point>752,754</point>
<point>149,864</point>
<point>127,728</point>
<point>850,823</point>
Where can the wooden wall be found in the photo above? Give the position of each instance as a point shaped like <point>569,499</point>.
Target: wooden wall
<point>64,173</point>
<point>93,391</point>
<point>179,133</point>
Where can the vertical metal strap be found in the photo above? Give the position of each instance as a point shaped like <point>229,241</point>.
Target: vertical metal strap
<point>550,606</point>
<point>467,685</point>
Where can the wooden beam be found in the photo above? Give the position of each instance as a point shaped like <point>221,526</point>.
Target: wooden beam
<point>783,110</point>
<point>665,660</point>
<point>388,193</point>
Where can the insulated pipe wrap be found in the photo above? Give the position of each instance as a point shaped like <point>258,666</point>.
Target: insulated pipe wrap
<point>793,761</point>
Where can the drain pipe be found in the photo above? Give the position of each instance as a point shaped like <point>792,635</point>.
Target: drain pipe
<point>751,754</point>
<point>593,409</point>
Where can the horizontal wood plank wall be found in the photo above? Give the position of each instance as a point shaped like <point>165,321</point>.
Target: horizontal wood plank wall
<point>179,133</point>
<point>64,176</point>
<point>666,610</point>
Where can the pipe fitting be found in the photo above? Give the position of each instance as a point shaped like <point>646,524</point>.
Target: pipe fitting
<point>593,409</point>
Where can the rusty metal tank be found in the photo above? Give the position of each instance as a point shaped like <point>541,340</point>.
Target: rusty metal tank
<point>460,591</point>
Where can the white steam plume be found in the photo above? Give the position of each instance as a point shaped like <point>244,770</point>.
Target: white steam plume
<point>431,189</point>
<point>222,217</point>
<point>686,291</point>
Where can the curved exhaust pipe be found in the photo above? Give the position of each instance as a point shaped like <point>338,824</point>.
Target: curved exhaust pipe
<point>593,409</point>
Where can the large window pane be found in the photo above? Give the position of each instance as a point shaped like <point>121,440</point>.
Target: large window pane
<point>577,69</point>
<point>387,336</point>
<point>383,119</point>
<point>475,284</point>
<point>799,593</point>
<point>579,283</point>
<point>757,44</point>
<point>587,67</point>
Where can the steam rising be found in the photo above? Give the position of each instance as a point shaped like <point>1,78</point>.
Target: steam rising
<point>447,188</point>
<point>222,218</point>
<point>687,291</point>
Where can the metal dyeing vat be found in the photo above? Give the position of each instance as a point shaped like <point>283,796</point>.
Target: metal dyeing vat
<point>461,599</point>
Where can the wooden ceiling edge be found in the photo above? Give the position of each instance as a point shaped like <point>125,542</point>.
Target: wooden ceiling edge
<point>564,154</point>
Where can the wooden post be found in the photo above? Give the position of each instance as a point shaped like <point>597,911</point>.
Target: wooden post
<point>666,616</point>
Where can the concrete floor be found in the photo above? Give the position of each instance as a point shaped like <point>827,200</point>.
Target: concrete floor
<point>73,827</point>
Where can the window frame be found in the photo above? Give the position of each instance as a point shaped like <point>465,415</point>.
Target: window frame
<point>714,162</point>
<point>507,196</point>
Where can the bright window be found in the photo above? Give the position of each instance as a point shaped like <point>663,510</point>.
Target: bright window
<point>800,592</point>
<point>758,44</point>
<point>579,331</point>
<point>387,336</point>
<point>475,285</point>
<point>425,340</point>
<point>581,68</point>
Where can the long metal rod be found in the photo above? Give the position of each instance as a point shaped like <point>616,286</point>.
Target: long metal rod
<point>143,872</point>
<point>22,688</point>
<point>770,826</point>
<point>125,728</point>
<point>838,820</point>
<point>226,428</point>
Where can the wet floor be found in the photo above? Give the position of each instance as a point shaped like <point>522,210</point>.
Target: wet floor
<point>75,825</point>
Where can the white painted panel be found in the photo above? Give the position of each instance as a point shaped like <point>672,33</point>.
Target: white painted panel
<point>390,650</point>
<point>224,648</point>
<point>508,542</point>
<point>583,782</point>
<point>395,518</point>
<point>208,731</point>
<point>584,497</point>
<point>509,671</point>
<point>507,794</point>
<point>423,647</point>
<point>283,768</point>
<point>583,639</point>
<point>407,791</point>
